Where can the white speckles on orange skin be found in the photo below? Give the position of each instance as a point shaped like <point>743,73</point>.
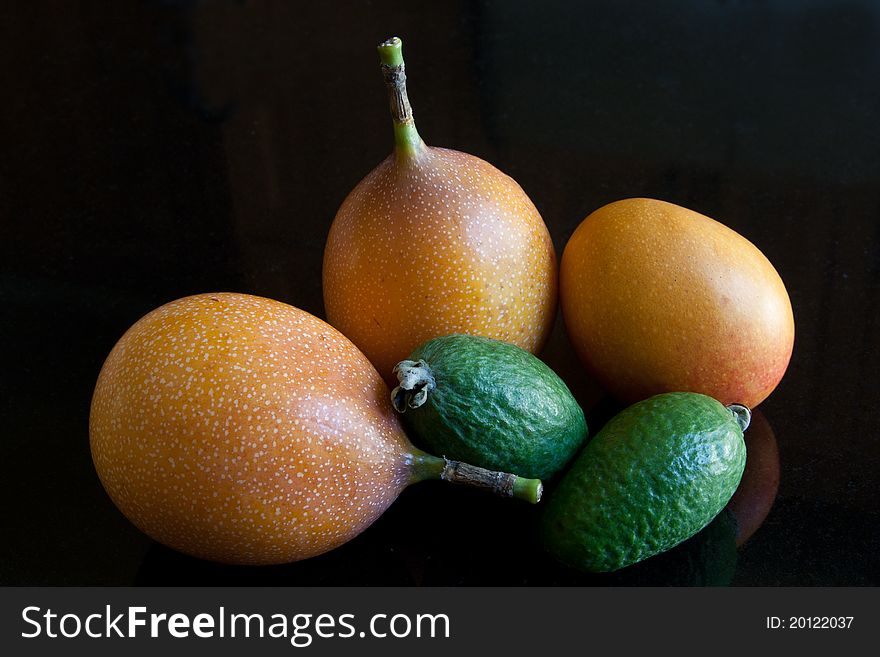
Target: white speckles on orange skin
<point>437,243</point>
<point>243,430</point>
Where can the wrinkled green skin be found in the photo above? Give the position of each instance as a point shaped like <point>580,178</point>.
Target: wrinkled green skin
<point>706,559</point>
<point>496,406</point>
<point>654,476</point>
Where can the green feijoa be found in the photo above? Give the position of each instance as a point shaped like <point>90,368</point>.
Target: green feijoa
<point>489,403</point>
<point>654,476</point>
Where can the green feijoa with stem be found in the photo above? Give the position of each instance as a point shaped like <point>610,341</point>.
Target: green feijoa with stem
<point>654,476</point>
<point>489,403</point>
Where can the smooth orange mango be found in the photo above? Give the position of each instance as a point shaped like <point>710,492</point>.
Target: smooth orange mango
<point>658,298</point>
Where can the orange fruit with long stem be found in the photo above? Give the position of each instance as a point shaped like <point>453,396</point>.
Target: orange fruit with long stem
<point>434,242</point>
<point>244,430</point>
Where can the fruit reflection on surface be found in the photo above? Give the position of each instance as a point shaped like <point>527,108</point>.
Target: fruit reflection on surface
<point>659,298</point>
<point>752,501</point>
<point>708,558</point>
<point>654,476</point>
<point>242,430</point>
<point>489,403</point>
<point>434,242</point>
<point>398,552</point>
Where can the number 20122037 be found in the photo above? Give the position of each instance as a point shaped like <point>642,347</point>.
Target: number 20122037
<point>809,622</point>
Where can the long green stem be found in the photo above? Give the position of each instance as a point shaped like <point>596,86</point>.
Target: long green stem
<point>426,466</point>
<point>407,142</point>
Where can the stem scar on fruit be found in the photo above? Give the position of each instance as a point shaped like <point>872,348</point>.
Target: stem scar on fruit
<point>742,414</point>
<point>416,379</point>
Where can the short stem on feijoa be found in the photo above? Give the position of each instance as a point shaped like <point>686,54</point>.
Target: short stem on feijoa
<point>425,466</point>
<point>741,414</point>
<point>407,142</point>
<point>416,383</point>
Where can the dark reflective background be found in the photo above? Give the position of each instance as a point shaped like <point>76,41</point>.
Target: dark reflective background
<point>156,149</point>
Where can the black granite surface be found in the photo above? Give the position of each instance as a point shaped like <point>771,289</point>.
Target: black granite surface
<point>150,150</point>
